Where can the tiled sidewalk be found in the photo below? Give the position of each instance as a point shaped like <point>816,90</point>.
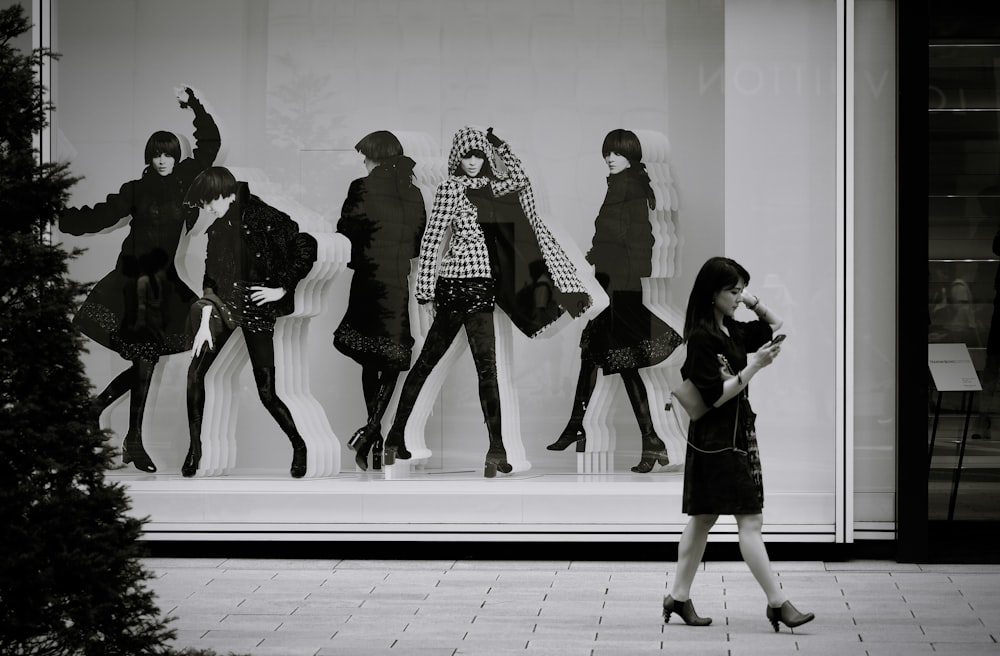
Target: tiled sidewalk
<point>585,608</point>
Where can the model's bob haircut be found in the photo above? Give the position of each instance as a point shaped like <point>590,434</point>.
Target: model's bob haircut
<point>214,182</point>
<point>623,142</point>
<point>162,143</point>
<point>379,146</point>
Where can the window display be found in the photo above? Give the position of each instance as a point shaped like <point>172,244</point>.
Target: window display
<point>649,137</point>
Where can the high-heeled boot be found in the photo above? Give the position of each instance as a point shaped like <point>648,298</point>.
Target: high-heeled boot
<point>684,609</point>
<point>574,432</point>
<point>653,449</point>
<point>266,389</point>
<point>117,388</point>
<point>496,457</point>
<point>132,448</point>
<point>788,615</point>
<point>193,458</point>
<point>369,437</point>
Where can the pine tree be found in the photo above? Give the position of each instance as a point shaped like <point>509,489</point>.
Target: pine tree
<point>71,578</point>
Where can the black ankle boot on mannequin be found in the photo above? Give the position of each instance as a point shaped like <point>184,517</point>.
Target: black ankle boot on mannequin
<point>133,452</point>
<point>574,433</point>
<point>653,449</point>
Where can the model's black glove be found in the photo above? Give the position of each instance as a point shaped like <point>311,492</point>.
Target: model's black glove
<point>492,138</point>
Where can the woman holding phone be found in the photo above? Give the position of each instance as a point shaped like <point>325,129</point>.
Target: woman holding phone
<point>722,471</point>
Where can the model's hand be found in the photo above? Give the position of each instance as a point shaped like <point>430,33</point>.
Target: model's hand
<point>764,356</point>
<point>203,337</point>
<point>184,95</point>
<point>493,139</point>
<point>261,295</point>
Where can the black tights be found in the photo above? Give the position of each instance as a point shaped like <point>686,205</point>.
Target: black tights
<point>260,347</point>
<point>482,343</point>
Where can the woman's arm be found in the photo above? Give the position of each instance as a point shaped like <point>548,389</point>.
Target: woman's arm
<point>516,178</point>
<point>755,305</point>
<point>446,200</point>
<point>207,140</point>
<point>90,220</point>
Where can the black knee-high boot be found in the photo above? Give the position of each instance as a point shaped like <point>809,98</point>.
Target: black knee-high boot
<point>265,378</point>
<point>195,410</point>
<point>581,399</point>
<point>496,457</point>
<point>371,433</point>
<point>132,449</point>
<point>117,388</point>
<point>653,448</point>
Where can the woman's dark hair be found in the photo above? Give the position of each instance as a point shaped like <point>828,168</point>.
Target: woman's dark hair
<point>485,172</point>
<point>625,143</point>
<point>379,146</point>
<point>716,275</point>
<point>162,143</point>
<point>214,182</point>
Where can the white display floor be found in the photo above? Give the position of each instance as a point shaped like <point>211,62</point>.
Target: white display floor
<point>435,504</point>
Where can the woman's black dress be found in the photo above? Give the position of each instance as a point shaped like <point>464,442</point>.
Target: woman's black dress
<point>728,480</point>
<point>626,335</point>
<point>384,217</point>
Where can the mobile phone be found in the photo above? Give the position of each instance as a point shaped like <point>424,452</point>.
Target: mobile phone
<point>778,339</point>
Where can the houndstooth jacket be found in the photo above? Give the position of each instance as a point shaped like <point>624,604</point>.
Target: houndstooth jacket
<point>467,255</point>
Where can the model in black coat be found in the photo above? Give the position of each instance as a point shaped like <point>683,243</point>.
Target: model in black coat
<point>255,257</point>
<point>117,311</point>
<point>384,217</point>
<point>625,336</point>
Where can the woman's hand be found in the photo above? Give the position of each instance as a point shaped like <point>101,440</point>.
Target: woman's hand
<point>203,337</point>
<point>763,356</point>
<point>494,140</point>
<point>184,95</point>
<point>261,295</point>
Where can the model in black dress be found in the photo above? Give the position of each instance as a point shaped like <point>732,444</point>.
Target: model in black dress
<point>384,217</point>
<point>722,474</point>
<point>626,336</point>
<point>110,314</point>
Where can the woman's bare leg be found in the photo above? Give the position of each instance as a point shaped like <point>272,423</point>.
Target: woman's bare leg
<point>689,554</point>
<point>755,555</point>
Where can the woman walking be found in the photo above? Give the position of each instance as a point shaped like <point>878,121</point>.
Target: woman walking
<point>722,471</point>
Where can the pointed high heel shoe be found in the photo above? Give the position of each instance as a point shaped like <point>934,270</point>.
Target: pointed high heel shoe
<point>133,452</point>
<point>649,458</point>
<point>685,610</point>
<point>788,615</point>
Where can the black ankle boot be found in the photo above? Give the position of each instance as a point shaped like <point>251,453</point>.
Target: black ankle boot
<point>299,458</point>
<point>360,444</point>
<point>653,449</point>
<point>684,609</point>
<point>788,615</point>
<point>192,460</point>
<point>395,447</point>
<point>572,434</point>
<point>133,452</point>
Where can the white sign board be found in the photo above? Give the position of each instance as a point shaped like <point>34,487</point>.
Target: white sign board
<point>952,368</point>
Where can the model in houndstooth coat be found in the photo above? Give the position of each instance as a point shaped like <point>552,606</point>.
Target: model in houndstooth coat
<point>495,235</point>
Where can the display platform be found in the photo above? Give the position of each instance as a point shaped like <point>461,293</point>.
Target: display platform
<point>439,504</point>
